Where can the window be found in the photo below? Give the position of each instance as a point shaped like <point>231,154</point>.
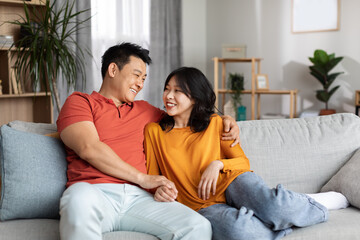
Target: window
<point>116,21</point>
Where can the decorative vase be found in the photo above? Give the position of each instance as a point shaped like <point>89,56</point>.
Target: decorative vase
<point>241,113</point>
<point>327,112</point>
<point>229,109</point>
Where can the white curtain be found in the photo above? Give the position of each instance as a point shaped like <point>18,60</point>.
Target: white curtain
<point>116,21</point>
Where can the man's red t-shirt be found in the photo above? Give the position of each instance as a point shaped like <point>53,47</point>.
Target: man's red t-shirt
<point>121,128</point>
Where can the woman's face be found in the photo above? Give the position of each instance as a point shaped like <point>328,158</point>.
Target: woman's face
<point>176,102</point>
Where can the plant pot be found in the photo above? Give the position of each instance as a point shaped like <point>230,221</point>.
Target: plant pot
<point>241,113</point>
<point>327,112</point>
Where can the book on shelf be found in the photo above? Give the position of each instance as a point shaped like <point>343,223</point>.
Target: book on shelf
<point>16,84</point>
<point>6,41</point>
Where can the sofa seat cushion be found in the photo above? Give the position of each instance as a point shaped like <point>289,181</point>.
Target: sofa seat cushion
<point>342,224</point>
<point>46,229</point>
<point>33,174</point>
<point>39,229</point>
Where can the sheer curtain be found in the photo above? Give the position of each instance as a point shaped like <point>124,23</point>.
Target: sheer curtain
<point>114,22</point>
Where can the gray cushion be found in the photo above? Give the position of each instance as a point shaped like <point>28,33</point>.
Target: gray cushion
<point>39,128</point>
<point>33,174</point>
<point>346,180</point>
<point>48,229</point>
<point>303,154</point>
<point>31,229</point>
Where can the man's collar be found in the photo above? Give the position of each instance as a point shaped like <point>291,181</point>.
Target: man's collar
<point>98,96</point>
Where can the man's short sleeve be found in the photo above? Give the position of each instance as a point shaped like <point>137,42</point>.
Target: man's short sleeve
<point>77,108</point>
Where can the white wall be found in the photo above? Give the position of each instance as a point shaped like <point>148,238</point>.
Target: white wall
<point>265,27</point>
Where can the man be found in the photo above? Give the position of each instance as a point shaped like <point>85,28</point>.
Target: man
<point>103,134</point>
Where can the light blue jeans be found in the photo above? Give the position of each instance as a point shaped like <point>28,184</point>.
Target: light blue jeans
<point>88,210</point>
<point>254,211</point>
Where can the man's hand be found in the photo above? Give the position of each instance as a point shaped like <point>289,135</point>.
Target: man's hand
<point>209,179</point>
<point>231,130</point>
<point>164,194</point>
<point>154,181</point>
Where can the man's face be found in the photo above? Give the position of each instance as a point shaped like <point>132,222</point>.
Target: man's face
<point>130,79</point>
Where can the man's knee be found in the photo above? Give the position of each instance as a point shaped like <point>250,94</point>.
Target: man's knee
<point>78,200</point>
<point>190,224</point>
<point>201,224</point>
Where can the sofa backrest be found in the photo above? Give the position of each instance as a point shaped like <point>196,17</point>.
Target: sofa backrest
<point>302,154</point>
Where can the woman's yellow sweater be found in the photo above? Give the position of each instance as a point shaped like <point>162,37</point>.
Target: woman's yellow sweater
<point>182,156</point>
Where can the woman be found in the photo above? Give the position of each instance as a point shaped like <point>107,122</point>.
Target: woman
<point>210,176</point>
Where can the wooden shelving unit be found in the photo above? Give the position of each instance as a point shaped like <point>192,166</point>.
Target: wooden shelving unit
<point>21,2</point>
<point>255,69</point>
<point>26,106</point>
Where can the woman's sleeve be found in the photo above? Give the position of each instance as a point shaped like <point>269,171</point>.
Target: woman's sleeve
<point>151,162</point>
<point>235,158</point>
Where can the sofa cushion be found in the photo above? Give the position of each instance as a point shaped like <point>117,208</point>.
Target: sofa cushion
<point>346,180</point>
<point>39,229</point>
<point>39,128</point>
<point>302,154</point>
<point>45,229</point>
<point>33,174</point>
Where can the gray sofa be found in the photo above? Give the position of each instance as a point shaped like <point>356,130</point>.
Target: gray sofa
<point>306,155</point>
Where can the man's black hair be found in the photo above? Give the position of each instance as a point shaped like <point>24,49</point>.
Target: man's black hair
<point>120,54</point>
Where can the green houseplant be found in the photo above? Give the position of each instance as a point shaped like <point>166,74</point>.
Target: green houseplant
<point>323,63</point>
<point>236,82</point>
<point>46,47</point>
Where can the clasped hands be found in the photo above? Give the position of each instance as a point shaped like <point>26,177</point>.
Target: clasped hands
<point>207,184</point>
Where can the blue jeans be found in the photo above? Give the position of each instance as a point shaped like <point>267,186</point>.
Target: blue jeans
<point>254,211</point>
<point>89,210</point>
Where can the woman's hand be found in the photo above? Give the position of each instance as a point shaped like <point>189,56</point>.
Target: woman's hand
<point>165,194</point>
<point>209,179</point>
<point>231,130</point>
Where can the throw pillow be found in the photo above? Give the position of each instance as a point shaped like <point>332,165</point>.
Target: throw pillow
<point>346,180</point>
<point>33,174</point>
<point>39,128</point>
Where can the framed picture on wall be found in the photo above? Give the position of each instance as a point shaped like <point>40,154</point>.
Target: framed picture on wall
<point>262,82</point>
<point>315,15</point>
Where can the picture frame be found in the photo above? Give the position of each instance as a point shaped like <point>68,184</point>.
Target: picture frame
<point>315,15</point>
<point>262,82</point>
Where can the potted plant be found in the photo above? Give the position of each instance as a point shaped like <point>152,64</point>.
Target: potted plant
<point>46,47</point>
<point>236,82</point>
<point>323,63</point>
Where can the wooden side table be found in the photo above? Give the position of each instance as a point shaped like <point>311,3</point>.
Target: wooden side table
<point>357,102</point>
